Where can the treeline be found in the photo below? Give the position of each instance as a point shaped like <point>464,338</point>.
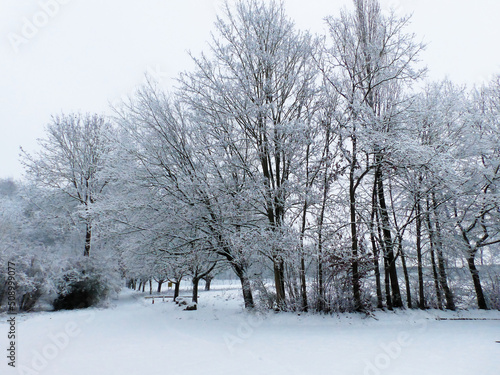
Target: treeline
<point>317,168</point>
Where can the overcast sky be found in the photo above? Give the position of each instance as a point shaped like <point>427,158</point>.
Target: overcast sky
<point>83,54</point>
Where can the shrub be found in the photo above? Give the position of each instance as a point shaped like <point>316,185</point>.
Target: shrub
<point>82,286</point>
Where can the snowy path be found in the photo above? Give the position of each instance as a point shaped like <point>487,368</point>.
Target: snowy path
<point>135,337</point>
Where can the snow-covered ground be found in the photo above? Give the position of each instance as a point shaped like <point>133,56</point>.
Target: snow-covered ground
<point>133,336</point>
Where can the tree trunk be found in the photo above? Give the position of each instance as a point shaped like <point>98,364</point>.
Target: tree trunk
<point>324,201</point>
<point>246,288</point>
<point>247,292</point>
<point>481,301</point>
<point>208,281</point>
<point>376,266</point>
<point>356,289</point>
<point>160,283</point>
<point>432,242</point>
<point>375,249</point>
<point>303,285</point>
<point>436,280</point>
<point>302,272</point>
<point>418,224</point>
<point>321,289</point>
<point>405,273</point>
<point>387,237</point>
<point>387,282</point>
<point>196,281</point>
<point>150,286</point>
<point>291,284</point>
<point>88,240</point>
<point>177,286</point>
<point>279,280</point>
<point>448,294</point>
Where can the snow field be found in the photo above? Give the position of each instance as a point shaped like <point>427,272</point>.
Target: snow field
<point>133,336</point>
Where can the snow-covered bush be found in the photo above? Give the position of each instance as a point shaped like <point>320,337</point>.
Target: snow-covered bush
<point>21,246</point>
<point>33,278</point>
<point>84,282</point>
<point>493,287</point>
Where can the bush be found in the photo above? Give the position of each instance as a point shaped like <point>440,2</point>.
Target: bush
<point>266,299</point>
<point>81,287</point>
<point>30,282</point>
<point>492,287</point>
<point>30,299</point>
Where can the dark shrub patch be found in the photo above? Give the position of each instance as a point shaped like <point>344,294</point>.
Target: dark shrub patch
<point>81,293</point>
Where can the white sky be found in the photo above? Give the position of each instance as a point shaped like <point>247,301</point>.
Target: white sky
<point>88,53</point>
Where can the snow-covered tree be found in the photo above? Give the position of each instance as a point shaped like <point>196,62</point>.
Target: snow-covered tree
<point>70,160</point>
<point>253,91</point>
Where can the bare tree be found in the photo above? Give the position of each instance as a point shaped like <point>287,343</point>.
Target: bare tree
<point>70,160</point>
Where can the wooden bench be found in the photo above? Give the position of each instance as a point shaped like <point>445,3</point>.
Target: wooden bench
<point>163,297</point>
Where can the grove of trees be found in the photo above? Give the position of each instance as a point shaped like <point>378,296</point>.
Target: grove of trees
<point>322,170</point>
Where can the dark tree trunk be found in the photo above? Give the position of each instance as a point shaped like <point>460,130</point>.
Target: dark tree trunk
<point>387,238</point>
<point>448,294</point>
<point>150,286</point>
<point>240,271</point>
<point>376,266</point>
<point>439,297</point>
<point>245,286</point>
<point>177,286</point>
<point>432,242</point>
<point>247,292</point>
<point>302,272</point>
<point>356,288</point>
<point>321,289</point>
<point>387,283</point>
<point>407,277</point>
<point>208,281</point>
<point>279,280</point>
<point>143,286</point>
<point>291,284</point>
<point>418,224</point>
<point>196,281</point>
<point>481,301</point>
<point>303,285</point>
<point>160,283</point>
<point>471,255</point>
<point>88,239</point>
<point>321,220</point>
